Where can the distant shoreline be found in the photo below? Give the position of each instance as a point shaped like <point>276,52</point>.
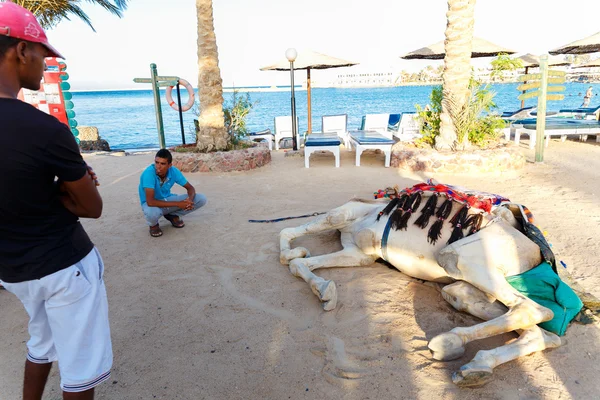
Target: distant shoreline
<point>287,88</point>
<point>267,89</point>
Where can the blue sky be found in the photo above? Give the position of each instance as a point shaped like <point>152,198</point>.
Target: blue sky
<point>253,33</point>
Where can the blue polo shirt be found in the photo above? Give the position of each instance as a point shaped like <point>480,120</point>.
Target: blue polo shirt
<point>162,190</point>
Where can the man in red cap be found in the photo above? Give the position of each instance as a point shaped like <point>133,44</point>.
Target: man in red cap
<point>46,258</point>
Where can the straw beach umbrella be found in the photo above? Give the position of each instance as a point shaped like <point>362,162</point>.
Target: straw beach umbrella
<point>591,64</point>
<point>590,44</point>
<point>481,48</point>
<point>532,61</point>
<point>308,60</point>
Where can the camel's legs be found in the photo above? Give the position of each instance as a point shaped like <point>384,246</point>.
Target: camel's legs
<point>465,297</point>
<point>522,312</point>
<point>337,218</point>
<point>350,256</point>
<point>479,370</point>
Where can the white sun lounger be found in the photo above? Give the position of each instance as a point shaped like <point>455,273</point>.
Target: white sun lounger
<point>322,142</point>
<point>557,127</point>
<point>371,140</point>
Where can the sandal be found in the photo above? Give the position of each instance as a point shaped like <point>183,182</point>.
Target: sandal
<point>155,231</point>
<point>175,220</point>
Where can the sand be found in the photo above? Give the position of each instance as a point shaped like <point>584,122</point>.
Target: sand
<point>208,312</point>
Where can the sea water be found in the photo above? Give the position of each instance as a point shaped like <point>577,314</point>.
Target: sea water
<point>126,119</point>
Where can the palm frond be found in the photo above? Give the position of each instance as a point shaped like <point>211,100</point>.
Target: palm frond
<point>465,114</point>
<point>117,8</point>
<point>51,12</point>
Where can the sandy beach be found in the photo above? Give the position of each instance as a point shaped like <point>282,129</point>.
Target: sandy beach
<point>208,312</point>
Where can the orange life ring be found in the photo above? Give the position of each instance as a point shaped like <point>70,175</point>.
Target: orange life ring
<point>190,102</point>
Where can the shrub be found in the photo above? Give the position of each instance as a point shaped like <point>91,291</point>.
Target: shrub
<point>235,113</point>
<point>474,121</point>
<point>429,118</point>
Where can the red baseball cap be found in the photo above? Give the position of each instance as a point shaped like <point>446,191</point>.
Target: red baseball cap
<point>19,23</point>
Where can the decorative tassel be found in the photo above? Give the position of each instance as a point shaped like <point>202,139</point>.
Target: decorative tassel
<point>403,199</point>
<point>435,232</point>
<point>457,234</point>
<point>460,217</point>
<point>474,221</point>
<point>459,222</point>
<point>388,208</point>
<point>427,211</point>
<point>395,218</point>
<point>412,204</point>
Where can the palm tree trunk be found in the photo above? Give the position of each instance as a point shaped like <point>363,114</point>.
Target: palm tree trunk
<point>212,134</point>
<point>457,68</point>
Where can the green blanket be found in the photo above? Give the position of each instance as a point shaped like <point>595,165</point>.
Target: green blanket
<point>543,285</point>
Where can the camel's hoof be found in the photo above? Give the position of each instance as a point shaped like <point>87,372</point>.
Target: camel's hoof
<point>446,346</point>
<point>472,378</point>
<point>330,305</point>
<point>327,293</point>
<point>288,255</point>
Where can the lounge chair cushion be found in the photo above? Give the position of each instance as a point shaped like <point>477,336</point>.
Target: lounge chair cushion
<point>588,110</point>
<point>560,123</point>
<point>370,138</point>
<point>508,114</point>
<point>322,140</point>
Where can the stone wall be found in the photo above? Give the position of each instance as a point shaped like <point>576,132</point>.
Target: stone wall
<point>505,157</point>
<point>222,161</point>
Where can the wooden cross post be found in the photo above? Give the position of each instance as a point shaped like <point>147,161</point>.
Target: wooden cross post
<point>158,81</point>
<point>539,84</point>
<point>540,124</point>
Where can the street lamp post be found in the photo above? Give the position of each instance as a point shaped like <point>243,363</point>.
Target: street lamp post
<point>291,55</point>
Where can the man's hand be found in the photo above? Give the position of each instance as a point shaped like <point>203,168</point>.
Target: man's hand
<point>93,175</point>
<point>186,205</point>
<point>191,192</point>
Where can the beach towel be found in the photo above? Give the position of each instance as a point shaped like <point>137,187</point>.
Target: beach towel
<point>542,285</point>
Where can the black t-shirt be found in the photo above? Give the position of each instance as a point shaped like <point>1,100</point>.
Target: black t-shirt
<point>38,235</point>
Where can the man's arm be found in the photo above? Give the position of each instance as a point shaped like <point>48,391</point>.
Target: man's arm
<point>77,181</point>
<point>152,202</point>
<point>81,197</point>
<point>191,191</point>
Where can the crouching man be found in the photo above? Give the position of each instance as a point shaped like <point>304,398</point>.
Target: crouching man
<point>156,198</point>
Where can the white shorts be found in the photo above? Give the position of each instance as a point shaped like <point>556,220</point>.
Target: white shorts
<point>68,322</point>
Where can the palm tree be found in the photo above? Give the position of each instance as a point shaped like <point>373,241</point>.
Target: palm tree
<point>51,12</point>
<point>457,69</point>
<point>212,134</point>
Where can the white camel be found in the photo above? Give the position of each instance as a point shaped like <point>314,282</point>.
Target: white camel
<point>473,270</point>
